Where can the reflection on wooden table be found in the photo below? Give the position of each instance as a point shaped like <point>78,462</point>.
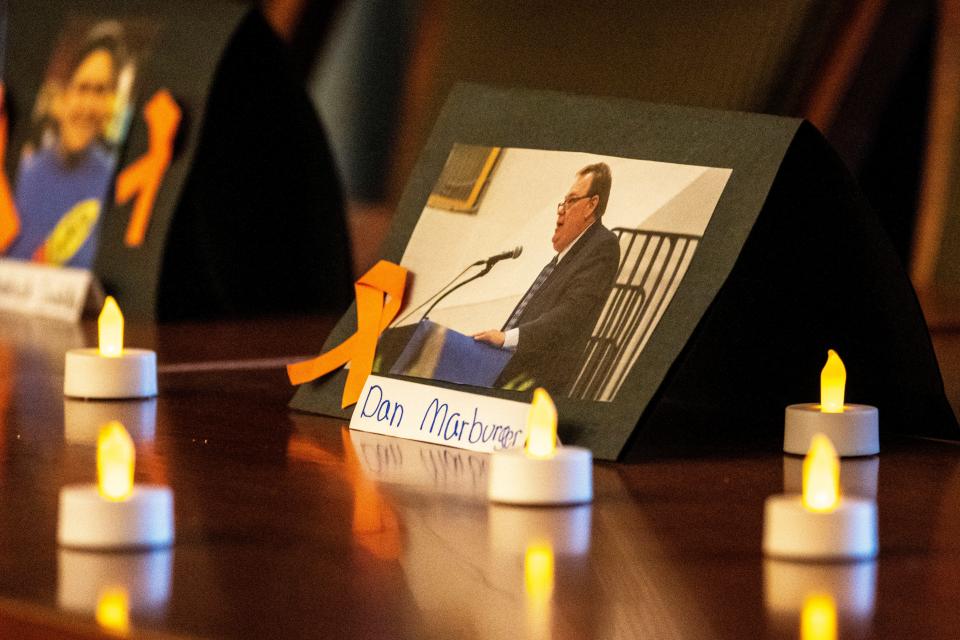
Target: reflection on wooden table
<point>289,525</point>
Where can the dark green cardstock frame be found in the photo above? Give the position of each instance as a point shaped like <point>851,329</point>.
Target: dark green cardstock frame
<point>745,333</point>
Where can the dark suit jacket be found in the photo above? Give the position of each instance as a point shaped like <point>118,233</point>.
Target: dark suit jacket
<point>557,322</point>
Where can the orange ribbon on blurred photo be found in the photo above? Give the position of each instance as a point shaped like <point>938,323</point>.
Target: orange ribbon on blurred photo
<point>9,218</point>
<point>144,176</point>
<point>374,314</point>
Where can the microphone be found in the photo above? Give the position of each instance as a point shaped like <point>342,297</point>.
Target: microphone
<point>506,255</point>
<point>488,264</point>
<point>444,292</point>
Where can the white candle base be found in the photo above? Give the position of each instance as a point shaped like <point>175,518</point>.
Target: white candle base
<point>564,478</point>
<point>790,531</point>
<point>132,374</point>
<point>82,419</point>
<point>88,521</point>
<point>855,432</point>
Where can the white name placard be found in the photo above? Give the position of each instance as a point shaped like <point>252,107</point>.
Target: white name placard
<point>43,290</point>
<point>442,416</point>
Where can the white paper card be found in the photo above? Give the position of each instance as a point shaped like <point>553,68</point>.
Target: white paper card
<point>43,290</point>
<point>415,411</point>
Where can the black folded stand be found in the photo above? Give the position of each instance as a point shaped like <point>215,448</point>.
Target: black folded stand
<point>816,272</point>
<point>793,263</point>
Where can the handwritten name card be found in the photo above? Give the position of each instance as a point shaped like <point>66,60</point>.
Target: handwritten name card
<point>441,416</point>
<point>43,290</point>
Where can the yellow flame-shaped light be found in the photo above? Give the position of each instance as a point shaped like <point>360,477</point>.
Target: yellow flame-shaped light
<point>113,610</point>
<point>833,380</point>
<point>110,324</point>
<point>821,476</point>
<point>541,426</point>
<point>819,618</point>
<point>115,460</point>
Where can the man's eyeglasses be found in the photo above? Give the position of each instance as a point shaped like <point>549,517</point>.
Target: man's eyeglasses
<point>564,204</point>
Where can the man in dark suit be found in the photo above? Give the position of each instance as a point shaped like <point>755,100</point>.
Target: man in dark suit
<point>550,326</point>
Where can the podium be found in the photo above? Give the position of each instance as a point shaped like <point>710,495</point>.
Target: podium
<point>439,353</point>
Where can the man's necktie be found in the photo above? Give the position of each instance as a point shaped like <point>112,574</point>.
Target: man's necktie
<point>514,318</point>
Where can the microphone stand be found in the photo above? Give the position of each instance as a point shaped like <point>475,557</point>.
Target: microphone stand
<point>442,289</point>
<point>482,273</point>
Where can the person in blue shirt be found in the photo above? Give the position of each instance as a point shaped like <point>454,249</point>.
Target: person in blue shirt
<point>61,186</point>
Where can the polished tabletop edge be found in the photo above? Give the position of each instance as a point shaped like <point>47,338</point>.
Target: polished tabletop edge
<point>230,365</point>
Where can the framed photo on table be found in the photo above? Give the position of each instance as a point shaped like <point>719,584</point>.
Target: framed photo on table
<point>672,276</point>
<point>166,148</point>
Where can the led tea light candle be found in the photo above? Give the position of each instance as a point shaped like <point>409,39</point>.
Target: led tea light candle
<point>853,428</point>
<point>819,524</point>
<point>541,473</point>
<point>110,371</point>
<point>114,513</point>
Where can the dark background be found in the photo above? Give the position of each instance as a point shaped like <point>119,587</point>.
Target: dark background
<point>874,77</point>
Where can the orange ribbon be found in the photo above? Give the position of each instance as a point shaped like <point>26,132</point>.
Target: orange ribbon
<point>145,175</point>
<point>373,316</point>
<point>9,218</point>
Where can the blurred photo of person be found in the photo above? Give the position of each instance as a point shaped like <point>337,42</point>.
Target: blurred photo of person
<point>64,177</point>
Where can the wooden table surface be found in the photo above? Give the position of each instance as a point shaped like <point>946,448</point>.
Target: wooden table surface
<point>290,526</point>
